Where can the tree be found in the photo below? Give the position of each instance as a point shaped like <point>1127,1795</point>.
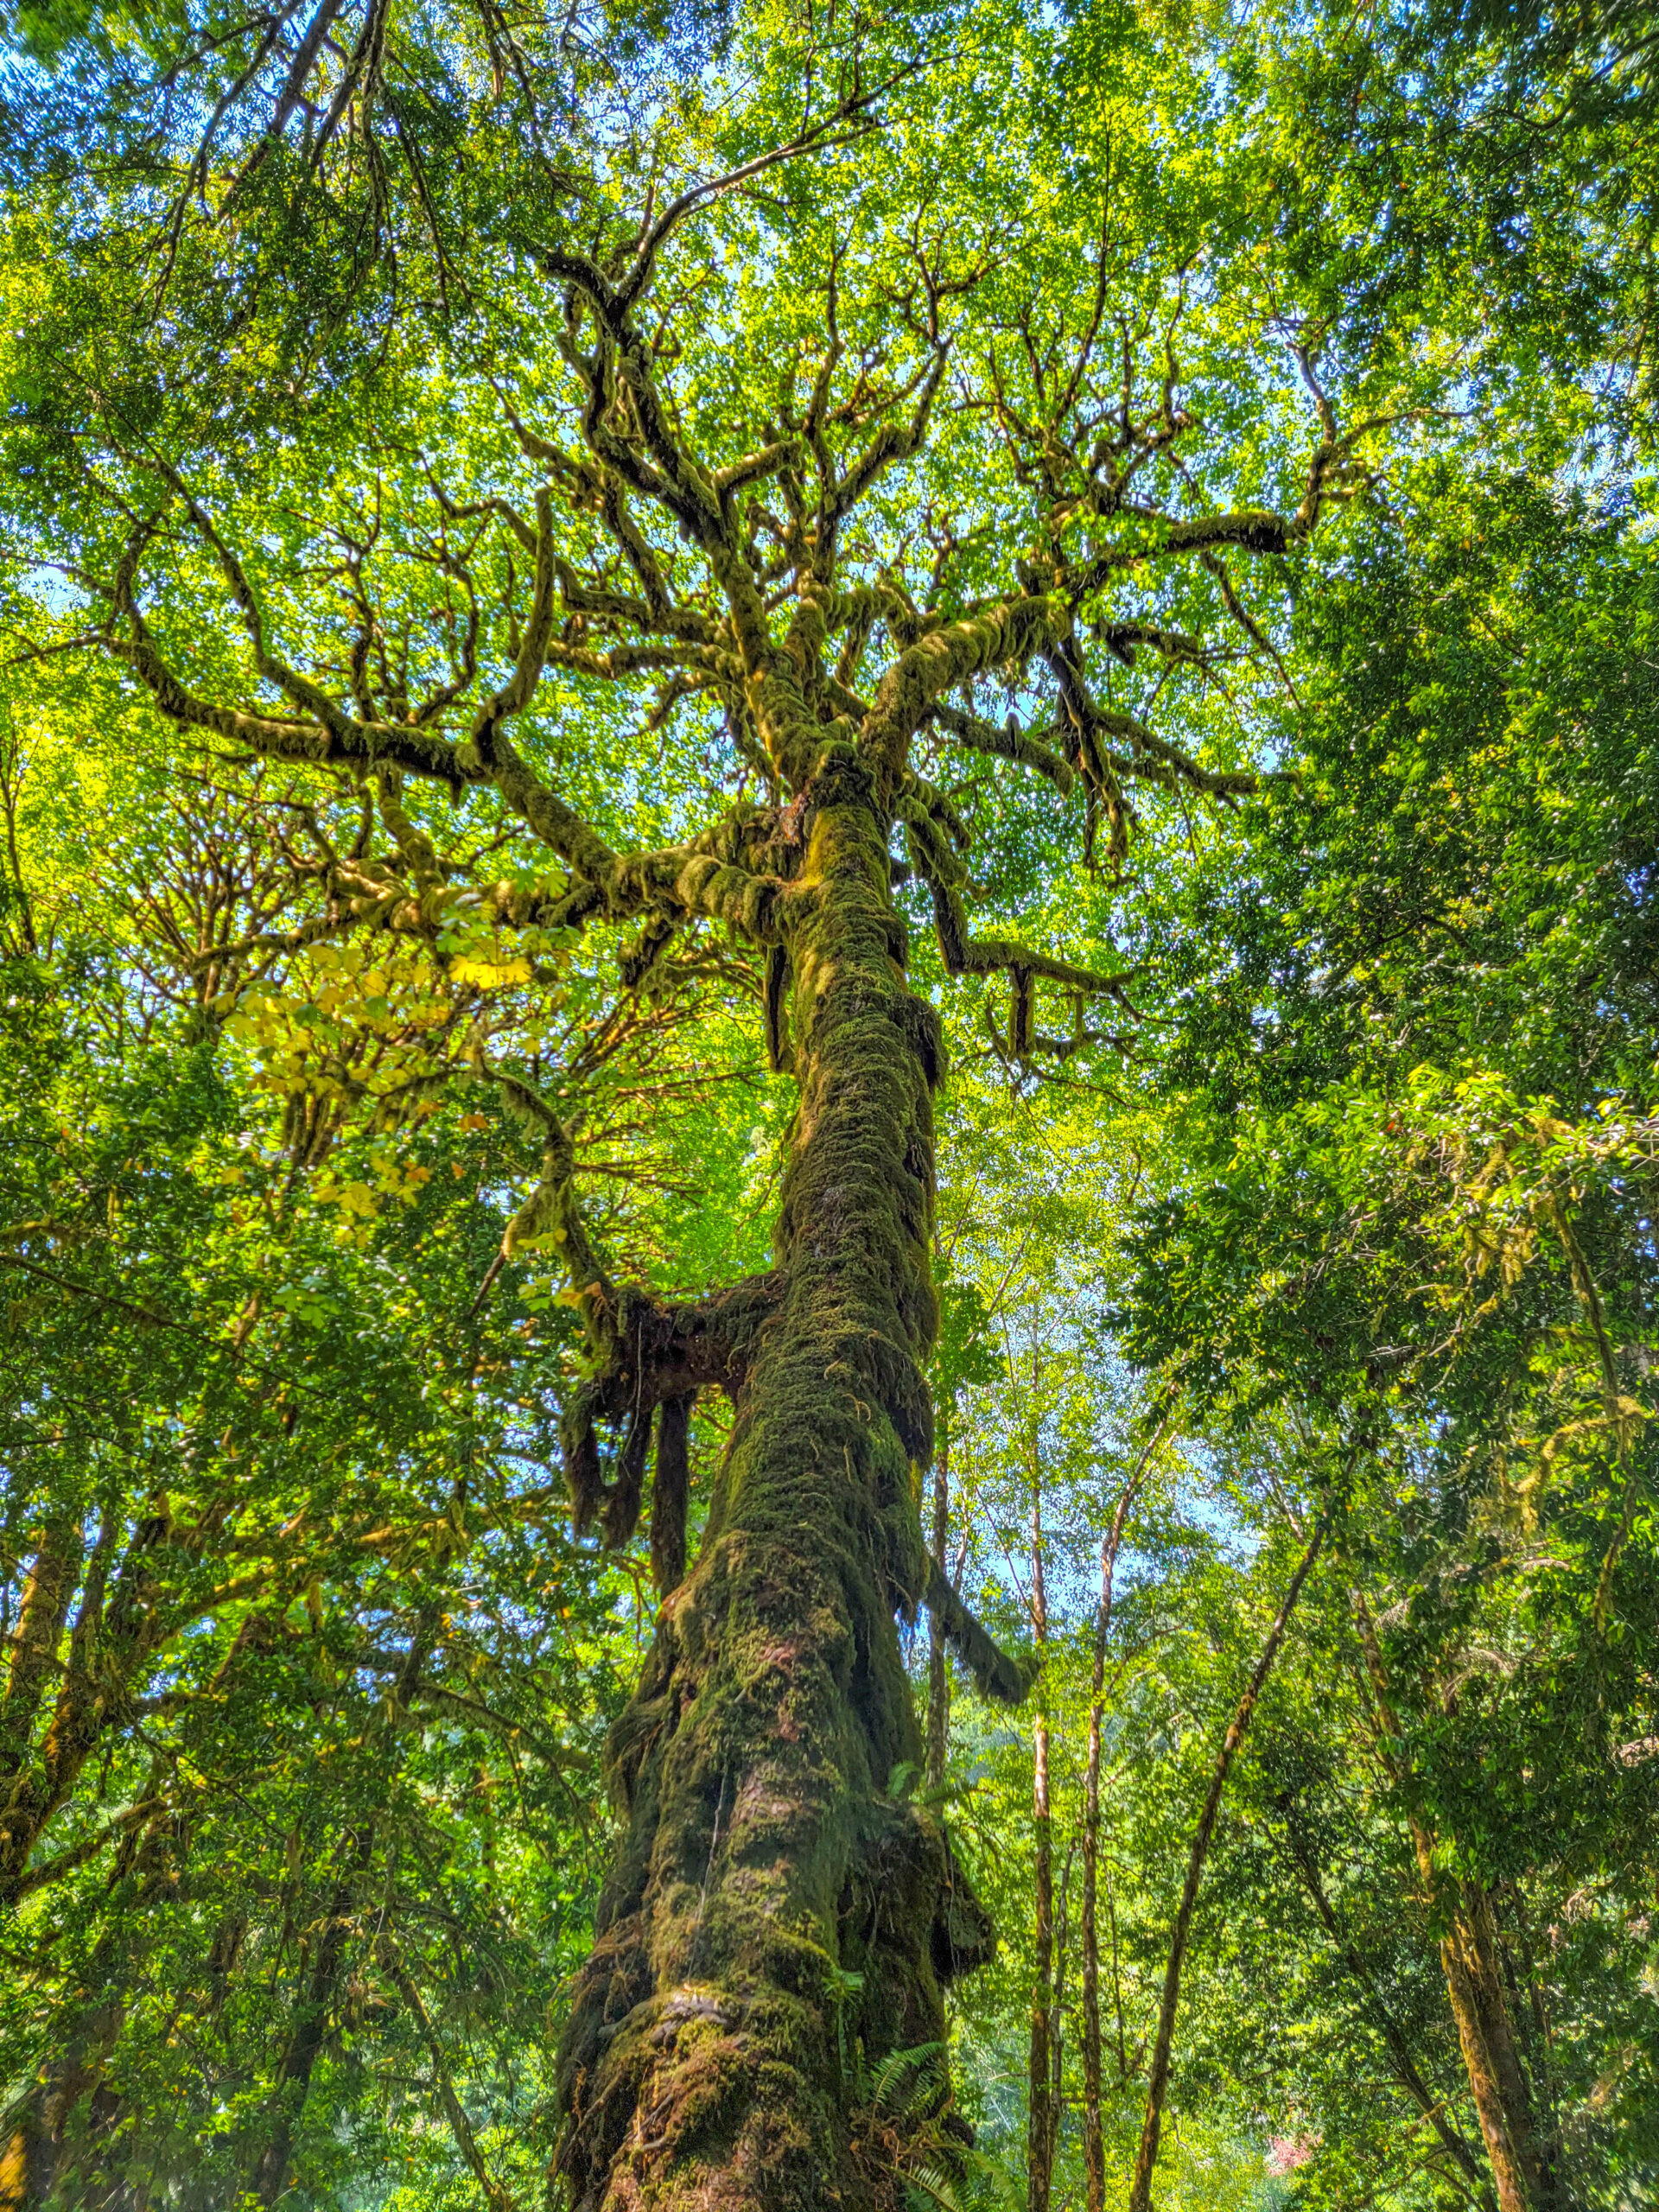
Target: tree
<point>1446,1166</point>
<point>755,435</point>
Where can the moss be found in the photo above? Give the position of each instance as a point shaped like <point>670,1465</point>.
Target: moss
<point>771,1910</point>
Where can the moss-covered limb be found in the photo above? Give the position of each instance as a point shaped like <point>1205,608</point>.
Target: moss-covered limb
<point>335,738</point>
<point>893,442</point>
<point>553,1212</point>
<point>418,853</point>
<point>1155,760</point>
<point>917,792</point>
<point>1247,530</point>
<point>669,1494</point>
<point>621,1510</point>
<point>616,663</point>
<point>1006,741</point>
<point>1009,634</point>
<point>645,1351</point>
<point>627,427</point>
<point>996,1675</point>
<point>1123,639</point>
<point>853,614</point>
<point>1150,760</point>
<point>965,955</point>
<point>655,612</point>
<point>307,695</point>
<point>743,1949</point>
<point>778,1055</point>
<point>59,1551</point>
<point>619,365</point>
<point>1215,567</point>
<point>343,742</point>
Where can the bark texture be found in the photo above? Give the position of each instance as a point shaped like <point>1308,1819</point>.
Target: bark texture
<point>938,1659</point>
<point>777,1921</point>
<point>1094,2143</point>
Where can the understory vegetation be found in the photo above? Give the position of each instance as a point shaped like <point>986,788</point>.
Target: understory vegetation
<point>828,1106</point>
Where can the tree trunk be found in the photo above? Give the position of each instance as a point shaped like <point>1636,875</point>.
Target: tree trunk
<point>1498,2131</point>
<point>31,1671</point>
<point>116,1627</point>
<point>1474,1984</point>
<point>1399,2049</point>
<point>1039,2126</point>
<point>1094,2146</point>
<point>1094,2141</point>
<point>293,2084</point>
<point>775,1921</point>
<point>1158,2077</point>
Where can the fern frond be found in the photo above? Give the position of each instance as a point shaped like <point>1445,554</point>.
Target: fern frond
<point>935,2187</point>
<point>922,2066</point>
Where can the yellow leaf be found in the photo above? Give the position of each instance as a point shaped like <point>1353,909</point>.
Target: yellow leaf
<point>489,975</point>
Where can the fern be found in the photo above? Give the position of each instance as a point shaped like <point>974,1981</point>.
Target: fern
<point>922,2064</point>
<point>933,2186</point>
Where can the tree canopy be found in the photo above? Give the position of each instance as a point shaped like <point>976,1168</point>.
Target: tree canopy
<point>826,1282</point>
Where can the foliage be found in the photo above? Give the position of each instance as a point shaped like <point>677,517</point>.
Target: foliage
<point>618,620</point>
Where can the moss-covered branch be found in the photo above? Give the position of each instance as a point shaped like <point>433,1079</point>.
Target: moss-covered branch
<point>995,1674</point>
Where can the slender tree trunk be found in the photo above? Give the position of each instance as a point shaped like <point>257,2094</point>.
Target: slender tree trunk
<point>1484,1950</point>
<point>1158,2079</point>
<point>1094,2146</point>
<point>292,2087</point>
<point>1532,2023</point>
<point>116,1627</point>
<point>1056,2015</point>
<point>31,1673</point>
<point>57,2127</point>
<point>1503,2150</point>
<point>497,2198</point>
<point>1117,1984</point>
<point>1040,2126</point>
<point>1480,2007</point>
<point>773,1910</point>
<point>938,1661</point>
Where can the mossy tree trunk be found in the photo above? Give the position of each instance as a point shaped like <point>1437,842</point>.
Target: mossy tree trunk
<point>1522,2170</point>
<point>778,1921</point>
<point>1502,2094</point>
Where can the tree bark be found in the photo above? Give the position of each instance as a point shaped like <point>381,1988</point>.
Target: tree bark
<point>1503,2096</point>
<point>118,1626</point>
<point>776,1921</point>
<point>1158,2079</point>
<point>31,1670</point>
<point>1399,2049</point>
<point>293,2084</point>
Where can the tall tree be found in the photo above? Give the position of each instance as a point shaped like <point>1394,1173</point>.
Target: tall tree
<point>513,493</point>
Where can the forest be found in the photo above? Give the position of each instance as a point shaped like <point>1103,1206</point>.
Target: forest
<point>829,1106</point>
